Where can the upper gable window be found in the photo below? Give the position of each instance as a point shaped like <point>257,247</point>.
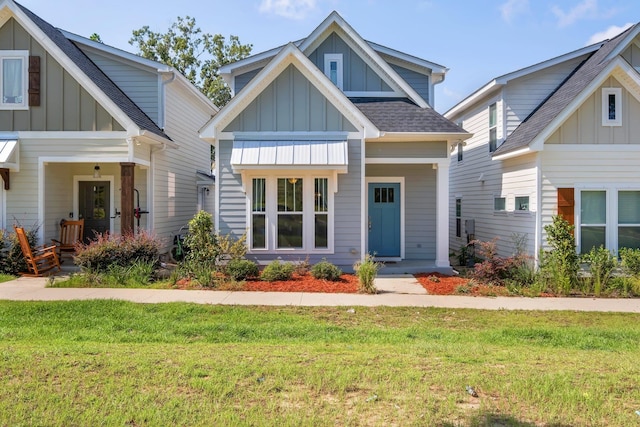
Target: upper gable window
<point>493,127</point>
<point>612,106</point>
<point>333,68</point>
<point>13,79</point>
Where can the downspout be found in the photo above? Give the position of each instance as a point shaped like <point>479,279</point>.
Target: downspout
<point>163,84</point>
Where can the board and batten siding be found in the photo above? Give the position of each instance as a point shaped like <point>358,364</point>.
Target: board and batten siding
<point>64,104</point>
<point>632,54</point>
<point>524,94</point>
<point>290,104</point>
<point>478,179</point>
<point>174,174</point>
<point>142,86</point>
<point>585,125</point>
<point>357,75</point>
<point>420,206</point>
<point>419,82</point>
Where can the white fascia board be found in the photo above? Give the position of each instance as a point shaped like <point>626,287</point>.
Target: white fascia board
<point>617,64</point>
<point>515,153</point>
<point>506,78</point>
<point>422,63</point>
<point>376,61</point>
<point>289,55</point>
<point>422,136</point>
<point>625,43</point>
<point>72,68</point>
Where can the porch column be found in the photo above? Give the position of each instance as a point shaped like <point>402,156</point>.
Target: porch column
<point>126,198</point>
<point>442,215</point>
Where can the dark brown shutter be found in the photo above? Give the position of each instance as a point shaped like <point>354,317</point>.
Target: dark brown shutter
<point>566,204</point>
<point>34,81</point>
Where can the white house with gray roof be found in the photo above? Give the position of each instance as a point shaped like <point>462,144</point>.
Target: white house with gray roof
<point>90,131</point>
<point>330,148</point>
<point>559,137</point>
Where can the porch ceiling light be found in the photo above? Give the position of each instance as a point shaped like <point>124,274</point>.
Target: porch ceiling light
<point>96,171</point>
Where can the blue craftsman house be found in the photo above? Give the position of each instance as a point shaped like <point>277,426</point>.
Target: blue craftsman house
<point>331,148</point>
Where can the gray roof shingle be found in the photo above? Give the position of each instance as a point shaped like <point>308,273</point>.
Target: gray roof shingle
<point>402,115</point>
<point>566,92</point>
<point>92,71</point>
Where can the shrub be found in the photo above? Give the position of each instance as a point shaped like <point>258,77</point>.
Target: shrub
<point>516,270</point>
<point>367,270</point>
<point>107,250</point>
<point>242,269</point>
<point>326,271</point>
<point>232,248</point>
<point>601,266</point>
<point>276,270</point>
<point>559,266</point>
<point>11,258</point>
<point>630,261</point>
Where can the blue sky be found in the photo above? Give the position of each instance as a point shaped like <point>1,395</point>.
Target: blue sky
<point>476,39</point>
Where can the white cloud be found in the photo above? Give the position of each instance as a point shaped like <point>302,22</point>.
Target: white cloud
<point>512,8</point>
<point>292,9</point>
<point>585,9</point>
<point>609,33</point>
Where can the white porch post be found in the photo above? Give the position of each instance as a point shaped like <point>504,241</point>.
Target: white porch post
<point>442,215</point>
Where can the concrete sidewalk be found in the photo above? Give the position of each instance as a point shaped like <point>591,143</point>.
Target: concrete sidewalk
<point>394,291</point>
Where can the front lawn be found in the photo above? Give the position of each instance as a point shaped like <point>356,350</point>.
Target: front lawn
<point>125,364</point>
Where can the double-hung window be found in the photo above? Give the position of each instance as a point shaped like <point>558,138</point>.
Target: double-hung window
<point>593,219</point>
<point>13,79</point>
<point>493,127</point>
<point>629,219</point>
<point>291,213</point>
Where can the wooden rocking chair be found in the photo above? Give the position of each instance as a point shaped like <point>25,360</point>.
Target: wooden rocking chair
<point>70,235</point>
<point>39,260</point>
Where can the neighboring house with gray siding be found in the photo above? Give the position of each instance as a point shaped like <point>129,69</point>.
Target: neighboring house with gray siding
<point>94,132</point>
<point>331,148</point>
<point>559,137</point>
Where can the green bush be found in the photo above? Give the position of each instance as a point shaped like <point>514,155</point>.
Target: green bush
<point>601,266</point>
<point>630,261</point>
<point>11,258</point>
<point>242,269</point>
<point>107,250</point>
<point>231,248</point>
<point>276,270</point>
<point>559,266</point>
<point>326,271</point>
<point>367,270</point>
<point>201,241</point>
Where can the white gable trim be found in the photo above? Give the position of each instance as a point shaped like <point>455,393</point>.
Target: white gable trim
<point>357,43</point>
<point>290,55</point>
<point>635,30</point>
<point>70,67</point>
<point>618,68</point>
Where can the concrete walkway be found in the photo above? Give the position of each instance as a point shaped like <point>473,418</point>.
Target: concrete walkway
<point>393,290</point>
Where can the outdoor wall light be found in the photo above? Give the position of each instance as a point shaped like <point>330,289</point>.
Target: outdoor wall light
<point>96,171</point>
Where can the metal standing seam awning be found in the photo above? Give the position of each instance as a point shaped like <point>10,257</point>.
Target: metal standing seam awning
<point>323,154</point>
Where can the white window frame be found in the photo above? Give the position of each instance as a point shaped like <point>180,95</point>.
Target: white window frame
<point>337,58</point>
<point>617,92</point>
<point>460,152</point>
<point>522,211</point>
<point>24,56</point>
<point>494,127</point>
<point>458,218</point>
<point>308,211</point>
<point>498,211</point>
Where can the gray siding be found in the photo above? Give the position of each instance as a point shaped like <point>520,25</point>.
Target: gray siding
<point>419,82</point>
<point>290,104</point>
<point>64,104</point>
<point>232,210</point>
<point>358,76</point>
<point>139,85</point>
<point>242,80</point>
<point>420,206</point>
<point>396,150</point>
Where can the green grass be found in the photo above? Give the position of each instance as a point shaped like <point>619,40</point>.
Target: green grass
<point>118,363</point>
<point>6,277</point>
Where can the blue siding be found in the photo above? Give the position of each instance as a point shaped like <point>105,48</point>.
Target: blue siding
<point>419,82</point>
<point>242,80</point>
<point>358,76</point>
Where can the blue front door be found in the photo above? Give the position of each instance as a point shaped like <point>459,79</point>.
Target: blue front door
<point>384,219</point>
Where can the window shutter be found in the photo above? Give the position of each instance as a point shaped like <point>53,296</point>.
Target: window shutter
<point>34,81</point>
<point>566,204</point>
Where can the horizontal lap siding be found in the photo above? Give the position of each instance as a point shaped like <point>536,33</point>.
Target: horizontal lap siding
<point>419,82</point>
<point>175,187</point>
<point>478,178</point>
<point>232,209</point>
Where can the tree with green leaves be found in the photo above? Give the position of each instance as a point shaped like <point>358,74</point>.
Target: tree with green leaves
<point>95,37</point>
<point>193,53</point>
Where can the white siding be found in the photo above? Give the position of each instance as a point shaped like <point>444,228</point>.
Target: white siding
<point>174,170</point>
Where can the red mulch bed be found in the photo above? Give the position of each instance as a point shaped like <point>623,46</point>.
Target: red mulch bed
<point>439,284</point>
<point>348,284</point>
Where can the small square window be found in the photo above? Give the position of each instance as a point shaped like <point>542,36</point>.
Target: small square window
<point>522,203</point>
<point>500,204</point>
